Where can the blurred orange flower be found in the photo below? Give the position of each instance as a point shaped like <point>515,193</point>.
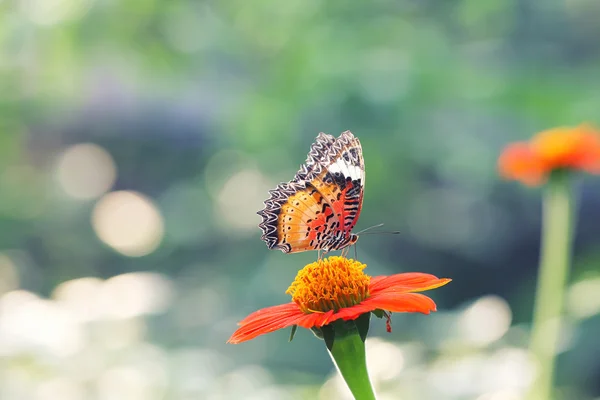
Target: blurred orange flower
<point>576,148</point>
<point>336,288</point>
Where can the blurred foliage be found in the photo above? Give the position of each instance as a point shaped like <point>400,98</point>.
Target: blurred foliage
<point>204,106</point>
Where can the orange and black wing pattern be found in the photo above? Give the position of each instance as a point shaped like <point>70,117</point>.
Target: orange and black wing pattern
<point>319,207</point>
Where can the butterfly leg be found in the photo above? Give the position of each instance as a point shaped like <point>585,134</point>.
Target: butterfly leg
<point>345,252</point>
<point>322,252</point>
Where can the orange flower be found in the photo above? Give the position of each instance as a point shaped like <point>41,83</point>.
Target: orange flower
<point>337,288</point>
<point>531,162</point>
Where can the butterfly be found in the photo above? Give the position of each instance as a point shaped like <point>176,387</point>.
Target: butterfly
<point>319,207</point>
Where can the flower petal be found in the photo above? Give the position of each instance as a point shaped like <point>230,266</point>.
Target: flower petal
<point>281,310</point>
<point>316,319</point>
<point>401,302</point>
<point>353,312</point>
<point>406,283</point>
<point>568,147</point>
<point>376,279</point>
<point>519,162</point>
<point>267,320</point>
<point>389,301</point>
<point>588,154</point>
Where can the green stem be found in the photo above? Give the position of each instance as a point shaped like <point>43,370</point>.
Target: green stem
<point>552,276</point>
<point>348,354</point>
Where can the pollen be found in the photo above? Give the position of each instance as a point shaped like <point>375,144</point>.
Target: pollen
<point>330,284</point>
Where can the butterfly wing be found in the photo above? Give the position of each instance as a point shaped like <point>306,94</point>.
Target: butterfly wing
<point>321,205</point>
<point>342,180</point>
<point>296,218</point>
<point>295,214</point>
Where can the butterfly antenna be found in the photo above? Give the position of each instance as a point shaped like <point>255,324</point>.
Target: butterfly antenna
<point>369,228</point>
<point>376,232</point>
<point>383,232</point>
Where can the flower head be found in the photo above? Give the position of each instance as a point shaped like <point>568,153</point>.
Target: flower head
<point>531,162</point>
<point>337,288</point>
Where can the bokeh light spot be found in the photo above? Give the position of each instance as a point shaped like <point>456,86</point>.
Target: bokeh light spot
<point>128,222</point>
<point>582,298</point>
<point>50,12</point>
<point>248,379</point>
<point>86,171</point>
<point>80,296</point>
<point>9,277</point>
<point>222,166</point>
<point>194,369</point>
<point>501,395</point>
<point>60,388</point>
<point>121,334</point>
<point>126,383</point>
<point>508,368</point>
<point>457,376</point>
<point>240,197</point>
<point>123,296</point>
<point>23,316</point>
<point>384,360</point>
<point>486,320</point>
<point>134,294</point>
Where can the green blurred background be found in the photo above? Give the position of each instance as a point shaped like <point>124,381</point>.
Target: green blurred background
<point>138,139</point>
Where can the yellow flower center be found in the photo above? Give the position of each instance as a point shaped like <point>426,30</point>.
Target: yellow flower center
<point>330,284</point>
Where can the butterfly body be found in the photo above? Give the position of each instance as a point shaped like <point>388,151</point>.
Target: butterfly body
<point>319,207</point>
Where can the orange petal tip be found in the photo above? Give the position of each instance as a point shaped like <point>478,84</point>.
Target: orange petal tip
<point>574,148</point>
<point>519,162</point>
